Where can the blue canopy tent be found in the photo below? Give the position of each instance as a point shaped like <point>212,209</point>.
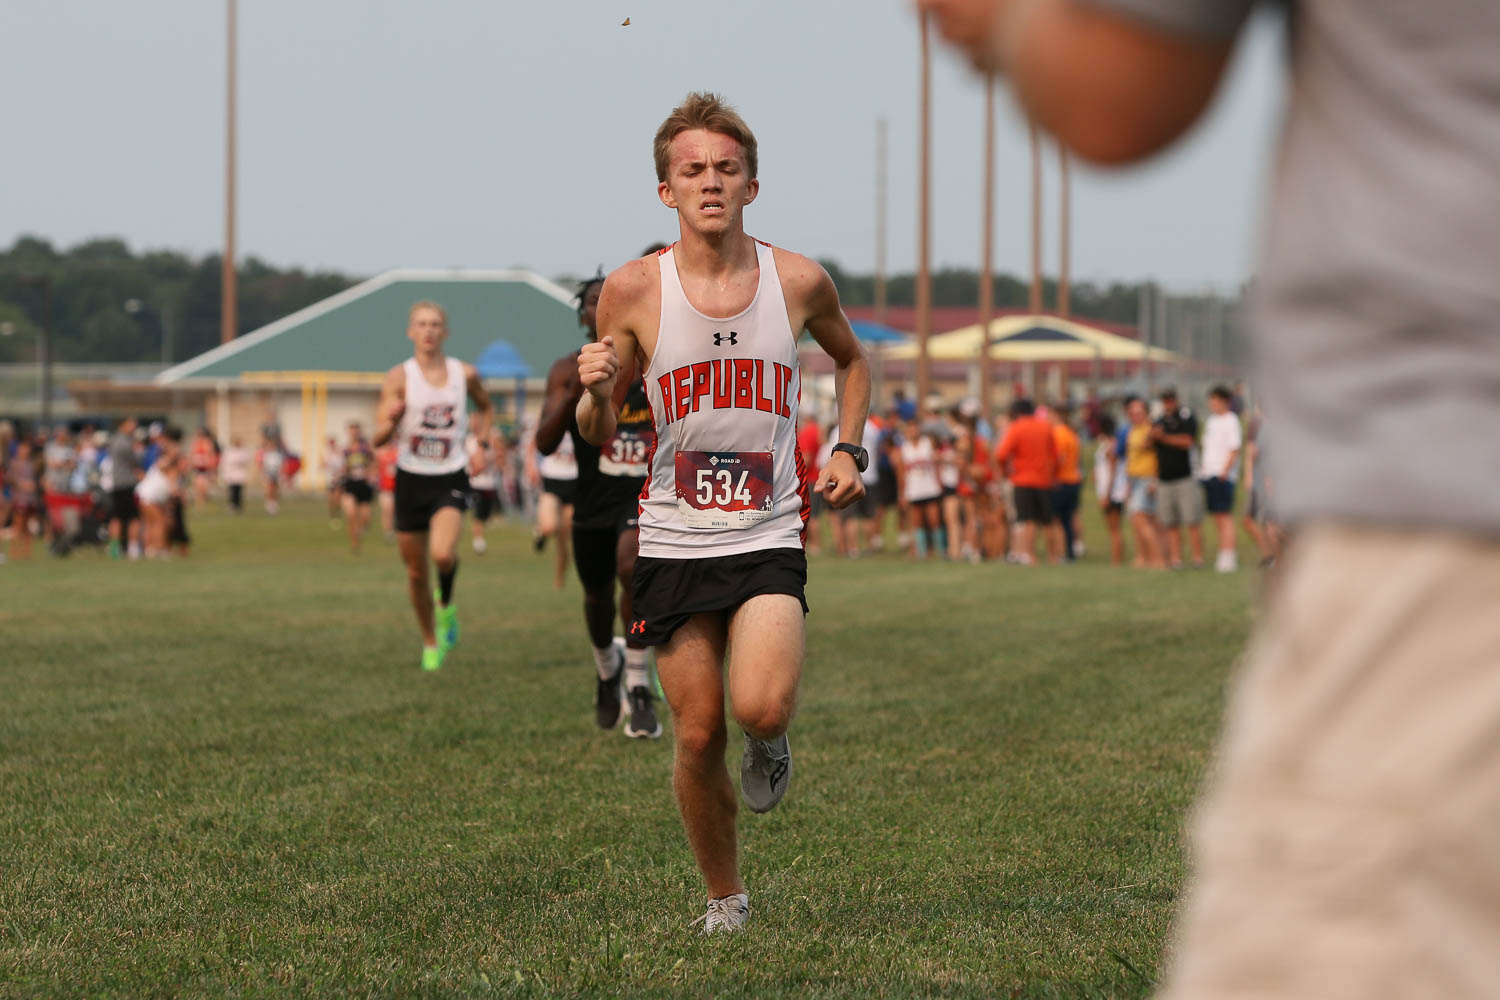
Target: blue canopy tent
<point>876,333</point>
<point>501,360</point>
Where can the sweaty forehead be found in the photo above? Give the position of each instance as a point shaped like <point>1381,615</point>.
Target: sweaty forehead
<point>704,146</point>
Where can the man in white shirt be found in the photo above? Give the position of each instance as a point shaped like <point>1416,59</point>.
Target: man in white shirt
<point>1222,442</point>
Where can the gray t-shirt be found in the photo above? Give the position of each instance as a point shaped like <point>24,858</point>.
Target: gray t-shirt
<point>1377,312</point>
<point>122,461</point>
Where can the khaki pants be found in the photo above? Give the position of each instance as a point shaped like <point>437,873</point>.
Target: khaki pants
<point>1349,842</point>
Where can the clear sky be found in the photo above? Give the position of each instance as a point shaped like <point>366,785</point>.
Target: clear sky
<point>492,133</point>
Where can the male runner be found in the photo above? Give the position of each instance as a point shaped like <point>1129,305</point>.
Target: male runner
<point>605,513</point>
<point>422,405</point>
<point>484,482</point>
<point>723,518</point>
<point>357,488</point>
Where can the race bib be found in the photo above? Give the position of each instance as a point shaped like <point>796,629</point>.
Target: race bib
<point>724,489</point>
<point>625,455</point>
<point>434,449</point>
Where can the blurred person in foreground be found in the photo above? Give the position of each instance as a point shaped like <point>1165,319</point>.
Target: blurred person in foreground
<point>1347,845</point>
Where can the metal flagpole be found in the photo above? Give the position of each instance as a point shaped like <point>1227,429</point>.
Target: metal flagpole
<point>924,206</point>
<point>229,300</point>
<point>987,267</point>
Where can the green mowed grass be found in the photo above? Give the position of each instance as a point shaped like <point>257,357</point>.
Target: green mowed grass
<point>226,776</point>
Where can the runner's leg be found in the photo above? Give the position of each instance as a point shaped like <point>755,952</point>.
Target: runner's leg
<point>447,524</point>
<point>351,521</point>
<point>766,648</point>
<point>413,548</point>
<point>690,666</point>
<point>564,532</point>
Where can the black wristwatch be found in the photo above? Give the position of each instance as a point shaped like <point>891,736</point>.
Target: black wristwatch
<point>861,457</point>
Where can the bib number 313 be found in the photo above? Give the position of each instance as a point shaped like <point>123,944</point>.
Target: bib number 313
<point>724,489</point>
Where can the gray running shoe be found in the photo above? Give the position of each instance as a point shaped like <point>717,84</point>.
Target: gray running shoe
<point>728,914</point>
<point>765,771</point>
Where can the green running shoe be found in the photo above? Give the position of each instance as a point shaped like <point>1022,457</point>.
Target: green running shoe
<point>447,623</point>
<point>432,658</point>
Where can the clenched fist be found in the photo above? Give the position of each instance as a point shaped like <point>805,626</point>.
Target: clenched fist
<point>598,367</point>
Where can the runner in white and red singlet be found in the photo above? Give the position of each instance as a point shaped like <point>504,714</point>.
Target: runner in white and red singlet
<point>712,322</point>
<point>424,405</point>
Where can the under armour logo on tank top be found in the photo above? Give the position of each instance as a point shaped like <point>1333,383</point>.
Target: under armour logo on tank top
<point>725,477</point>
<point>435,423</point>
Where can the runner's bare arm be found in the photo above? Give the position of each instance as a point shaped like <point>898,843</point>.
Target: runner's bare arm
<point>484,410</point>
<point>1112,88</point>
<point>563,390</point>
<point>599,367</point>
<point>392,405</point>
<point>811,287</point>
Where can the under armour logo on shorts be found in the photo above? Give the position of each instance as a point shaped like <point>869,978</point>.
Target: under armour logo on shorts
<point>734,338</point>
<point>638,627</point>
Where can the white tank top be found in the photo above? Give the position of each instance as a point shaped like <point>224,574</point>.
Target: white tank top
<point>484,479</point>
<point>562,464</point>
<point>435,423</point>
<point>920,459</point>
<point>725,475</point>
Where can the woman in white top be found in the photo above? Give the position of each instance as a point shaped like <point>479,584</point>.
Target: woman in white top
<point>1112,486</point>
<point>917,470</point>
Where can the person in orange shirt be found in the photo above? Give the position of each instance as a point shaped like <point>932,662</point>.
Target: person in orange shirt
<point>1069,479</point>
<point>1028,452</point>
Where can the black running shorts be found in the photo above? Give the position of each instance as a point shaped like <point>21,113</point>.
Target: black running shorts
<point>360,490</point>
<point>122,505</point>
<point>418,497</point>
<point>484,503</point>
<point>667,592</point>
<point>595,549</point>
<point>1034,505</point>
<point>565,490</point>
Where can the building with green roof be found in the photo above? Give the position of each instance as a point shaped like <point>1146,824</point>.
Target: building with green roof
<point>318,369</point>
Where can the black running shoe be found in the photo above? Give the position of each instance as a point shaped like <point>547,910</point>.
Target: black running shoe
<point>607,698</point>
<point>642,724</point>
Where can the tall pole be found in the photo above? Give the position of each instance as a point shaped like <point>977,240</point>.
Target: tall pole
<point>924,203</point>
<point>880,241</point>
<point>44,349</point>
<point>880,200</point>
<point>229,300</point>
<point>1065,242</point>
<point>1143,328</point>
<point>987,250</point>
<point>1035,304</point>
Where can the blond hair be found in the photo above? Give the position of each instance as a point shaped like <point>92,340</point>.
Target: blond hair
<point>411,313</point>
<point>701,109</point>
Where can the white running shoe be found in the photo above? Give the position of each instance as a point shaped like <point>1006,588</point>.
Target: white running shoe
<point>765,772</point>
<point>1227,561</point>
<point>479,546</point>
<point>728,914</point>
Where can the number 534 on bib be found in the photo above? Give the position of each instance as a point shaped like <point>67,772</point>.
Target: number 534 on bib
<point>724,489</point>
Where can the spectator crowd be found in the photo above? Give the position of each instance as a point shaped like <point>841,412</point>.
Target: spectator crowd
<point>942,482</point>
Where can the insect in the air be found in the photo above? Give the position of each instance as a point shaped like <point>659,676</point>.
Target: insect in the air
<point>625,23</point>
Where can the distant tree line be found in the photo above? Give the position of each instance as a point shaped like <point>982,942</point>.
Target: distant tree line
<point>110,304</point>
<point>1114,303</point>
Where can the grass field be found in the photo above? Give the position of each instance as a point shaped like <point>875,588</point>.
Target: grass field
<point>226,777</point>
